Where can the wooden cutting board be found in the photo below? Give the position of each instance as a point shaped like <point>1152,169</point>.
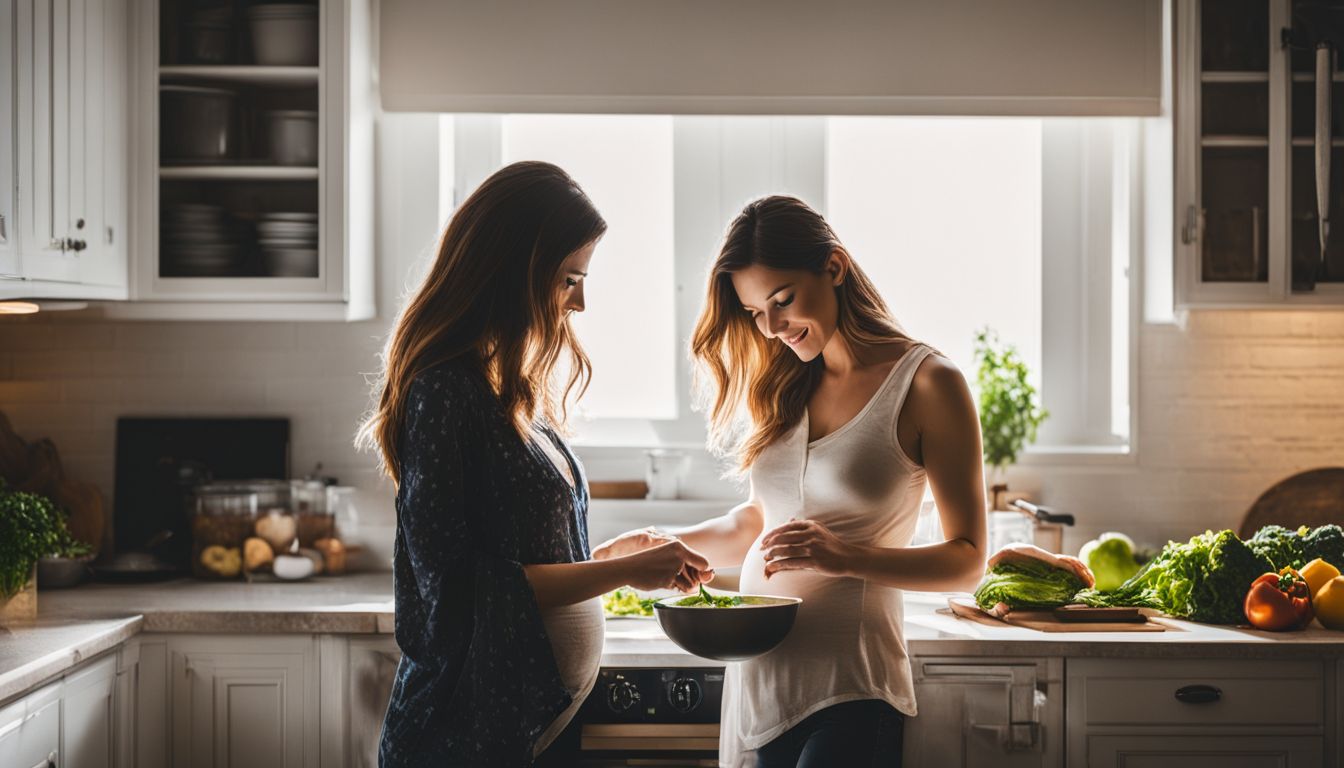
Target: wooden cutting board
<point>1046,621</point>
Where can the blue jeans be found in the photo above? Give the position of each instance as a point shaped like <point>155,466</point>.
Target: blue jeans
<point>855,734</point>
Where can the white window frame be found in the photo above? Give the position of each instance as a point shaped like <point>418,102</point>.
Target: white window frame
<point>1092,176</point>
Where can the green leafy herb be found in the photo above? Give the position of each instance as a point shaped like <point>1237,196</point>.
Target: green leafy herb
<point>625,602</point>
<point>1027,584</point>
<point>1010,407</point>
<point>30,528</point>
<point>1204,579</point>
<point>706,600</point>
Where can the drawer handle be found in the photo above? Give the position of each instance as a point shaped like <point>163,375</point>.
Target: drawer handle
<point>1198,694</point>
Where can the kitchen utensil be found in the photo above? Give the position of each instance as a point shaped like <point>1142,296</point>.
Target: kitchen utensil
<point>293,136</point>
<point>1047,525</point>
<point>211,32</point>
<point>1044,621</point>
<point>1312,498</point>
<point>62,572</point>
<point>1319,27</point>
<point>284,35</point>
<point>197,123</point>
<point>727,634</point>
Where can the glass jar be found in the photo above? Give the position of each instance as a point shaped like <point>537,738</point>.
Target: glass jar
<point>222,518</point>
<point>308,503</point>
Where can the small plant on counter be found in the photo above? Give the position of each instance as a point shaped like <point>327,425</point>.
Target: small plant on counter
<point>1010,408</point>
<point>30,528</point>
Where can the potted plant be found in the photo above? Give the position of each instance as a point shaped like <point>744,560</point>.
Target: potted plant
<point>1010,407</point>
<point>30,528</point>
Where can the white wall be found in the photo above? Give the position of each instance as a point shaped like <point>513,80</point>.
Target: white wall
<point>1228,404</point>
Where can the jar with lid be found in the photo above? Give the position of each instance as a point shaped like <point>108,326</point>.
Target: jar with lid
<point>308,501</point>
<point>223,515</point>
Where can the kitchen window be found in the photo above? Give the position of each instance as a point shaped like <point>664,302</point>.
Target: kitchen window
<point>1027,225</point>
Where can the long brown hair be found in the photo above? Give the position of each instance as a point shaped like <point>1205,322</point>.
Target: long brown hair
<point>490,299</point>
<point>755,389</point>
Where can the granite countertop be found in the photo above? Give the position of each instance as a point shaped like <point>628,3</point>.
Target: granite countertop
<point>75,624</point>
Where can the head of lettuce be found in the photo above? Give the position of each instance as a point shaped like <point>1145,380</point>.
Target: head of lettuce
<point>1026,584</point>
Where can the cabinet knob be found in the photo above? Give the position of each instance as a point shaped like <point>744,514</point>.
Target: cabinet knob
<point>4,234</point>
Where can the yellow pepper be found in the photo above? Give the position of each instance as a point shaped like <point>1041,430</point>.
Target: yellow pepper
<point>1329,603</point>
<point>1317,572</point>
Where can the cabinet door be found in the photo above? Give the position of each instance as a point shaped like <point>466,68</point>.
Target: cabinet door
<point>373,670</point>
<point>244,703</point>
<point>43,56</point>
<point>1148,751</point>
<point>30,730</point>
<point>87,715</point>
<point>9,263</point>
<point>986,713</point>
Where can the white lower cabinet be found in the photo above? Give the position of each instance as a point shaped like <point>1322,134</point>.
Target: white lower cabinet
<point>1170,713</point>
<point>243,702</point>
<point>987,713</point>
<point>88,715</point>
<point>30,730</point>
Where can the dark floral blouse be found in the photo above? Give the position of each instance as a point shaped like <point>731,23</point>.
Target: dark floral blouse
<point>477,682</point>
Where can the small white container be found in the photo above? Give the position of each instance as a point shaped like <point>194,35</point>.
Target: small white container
<point>293,135</point>
<point>284,35</point>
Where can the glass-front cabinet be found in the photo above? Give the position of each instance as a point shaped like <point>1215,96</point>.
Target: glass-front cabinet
<point>1248,233</point>
<point>254,163</point>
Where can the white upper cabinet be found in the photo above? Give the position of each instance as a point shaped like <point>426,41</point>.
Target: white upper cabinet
<point>9,254</point>
<point>252,174</point>
<point>65,213</point>
<point>1247,227</point>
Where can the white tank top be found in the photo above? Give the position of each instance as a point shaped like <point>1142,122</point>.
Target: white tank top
<point>846,643</point>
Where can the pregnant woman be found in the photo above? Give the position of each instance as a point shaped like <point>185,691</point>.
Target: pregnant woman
<point>498,615</point>
<point>839,418</point>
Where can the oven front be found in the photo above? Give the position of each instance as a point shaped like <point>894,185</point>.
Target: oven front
<point>647,717</point>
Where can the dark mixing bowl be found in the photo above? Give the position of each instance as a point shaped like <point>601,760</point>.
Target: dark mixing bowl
<point>728,634</point>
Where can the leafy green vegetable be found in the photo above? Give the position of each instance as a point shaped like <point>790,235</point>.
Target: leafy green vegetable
<point>1327,543</point>
<point>1204,579</point>
<point>1296,548</point>
<point>1282,547</point>
<point>625,602</point>
<point>1110,556</point>
<point>1010,408</point>
<point>1027,584</point>
<point>30,528</point>
<point>704,599</point>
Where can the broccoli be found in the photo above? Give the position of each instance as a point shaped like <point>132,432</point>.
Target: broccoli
<point>1327,543</point>
<point>1282,546</point>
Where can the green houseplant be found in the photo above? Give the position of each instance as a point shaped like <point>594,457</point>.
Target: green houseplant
<point>1010,407</point>
<point>30,528</point>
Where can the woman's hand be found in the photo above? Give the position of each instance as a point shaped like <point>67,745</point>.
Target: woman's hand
<point>1023,552</point>
<point>668,565</point>
<point>806,545</point>
<point>630,542</point>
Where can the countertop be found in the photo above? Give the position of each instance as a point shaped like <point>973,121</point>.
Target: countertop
<point>75,624</point>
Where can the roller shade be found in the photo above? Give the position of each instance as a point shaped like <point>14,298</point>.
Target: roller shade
<point>951,57</point>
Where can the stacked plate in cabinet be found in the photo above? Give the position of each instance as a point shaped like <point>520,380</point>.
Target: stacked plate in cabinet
<point>288,243</point>
<point>196,240</point>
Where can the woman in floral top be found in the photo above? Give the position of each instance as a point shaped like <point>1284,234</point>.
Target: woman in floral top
<point>498,615</point>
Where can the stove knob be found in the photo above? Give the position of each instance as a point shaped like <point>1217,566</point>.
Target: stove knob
<point>684,694</point>
<point>622,696</point>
